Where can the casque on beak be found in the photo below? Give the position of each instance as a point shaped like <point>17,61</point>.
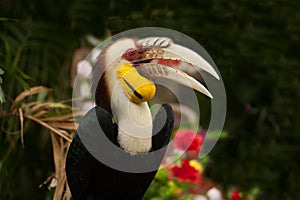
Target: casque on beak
<point>158,58</point>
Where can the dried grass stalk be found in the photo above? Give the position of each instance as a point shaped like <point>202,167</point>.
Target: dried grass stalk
<point>59,162</point>
<point>22,126</point>
<point>57,117</point>
<point>66,137</point>
<point>26,93</point>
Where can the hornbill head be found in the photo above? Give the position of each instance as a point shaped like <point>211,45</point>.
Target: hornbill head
<point>123,83</point>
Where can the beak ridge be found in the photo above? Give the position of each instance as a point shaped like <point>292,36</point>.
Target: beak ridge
<point>176,51</point>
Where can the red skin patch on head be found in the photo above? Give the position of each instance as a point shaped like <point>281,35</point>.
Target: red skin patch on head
<point>130,55</point>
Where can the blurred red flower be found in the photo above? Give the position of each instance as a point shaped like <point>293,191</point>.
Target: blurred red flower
<point>235,195</point>
<point>187,140</point>
<point>186,172</point>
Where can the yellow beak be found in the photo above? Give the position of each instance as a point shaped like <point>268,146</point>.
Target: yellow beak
<point>137,88</point>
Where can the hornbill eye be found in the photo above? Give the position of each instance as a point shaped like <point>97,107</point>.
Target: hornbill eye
<point>130,54</point>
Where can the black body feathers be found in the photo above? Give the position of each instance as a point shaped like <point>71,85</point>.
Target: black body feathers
<point>90,179</point>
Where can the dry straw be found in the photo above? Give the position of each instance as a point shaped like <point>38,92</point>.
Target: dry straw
<point>58,117</point>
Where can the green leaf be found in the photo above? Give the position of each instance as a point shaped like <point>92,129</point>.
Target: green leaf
<point>255,191</point>
<point>42,96</point>
<point>2,96</point>
<point>162,175</point>
<point>7,19</point>
<point>205,160</point>
<point>25,76</point>
<point>23,83</point>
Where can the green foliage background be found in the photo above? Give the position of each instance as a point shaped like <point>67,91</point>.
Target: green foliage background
<point>255,44</point>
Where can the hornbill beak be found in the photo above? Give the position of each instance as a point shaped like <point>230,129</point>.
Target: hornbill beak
<point>159,58</point>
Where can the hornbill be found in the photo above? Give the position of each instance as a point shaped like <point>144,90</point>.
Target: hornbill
<point>122,84</point>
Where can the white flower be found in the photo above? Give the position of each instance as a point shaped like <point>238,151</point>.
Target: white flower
<point>200,197</point>
<point>214,194</point>
<point>85,89</point>
<point>84,68</point>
